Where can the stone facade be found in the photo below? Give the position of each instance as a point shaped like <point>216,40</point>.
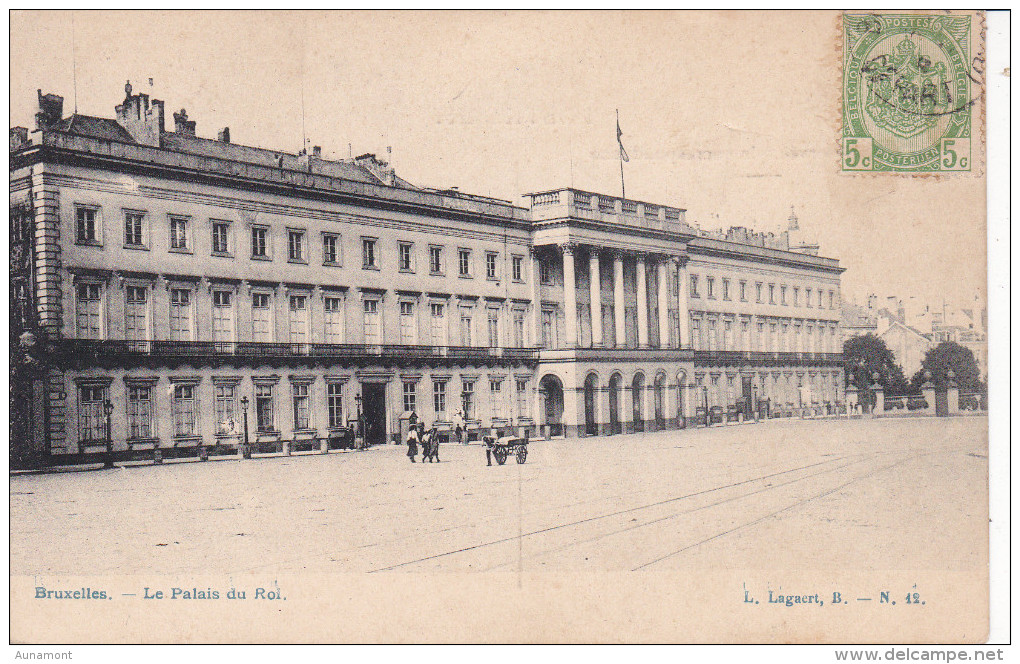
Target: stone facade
<point>181,283</point>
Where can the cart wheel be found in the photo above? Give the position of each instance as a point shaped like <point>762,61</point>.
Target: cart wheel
<point>522,453</point>
<point>500,455</point>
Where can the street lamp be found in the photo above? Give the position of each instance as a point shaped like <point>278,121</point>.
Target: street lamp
<point>245,449</point>
<point>108,410</point>
<point>704,392</point>
<point>360,426</point>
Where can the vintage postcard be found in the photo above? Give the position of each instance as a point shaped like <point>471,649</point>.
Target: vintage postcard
<point>484,327</point>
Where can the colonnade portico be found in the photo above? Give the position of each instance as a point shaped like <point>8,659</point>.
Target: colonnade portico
<point>662,267</point>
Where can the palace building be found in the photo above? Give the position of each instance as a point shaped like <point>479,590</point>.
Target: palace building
<point>173,293</point>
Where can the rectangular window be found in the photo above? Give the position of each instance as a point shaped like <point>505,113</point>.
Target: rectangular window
<point>302,419</point>
<point>782,295</point>
<point>436,260</point>
<point>368,253</point>
<point>517,268</point>
<point>710,287</point>
<point>264,411</point>
<point>139,404</point>
<point>465,326</point>
<point>184,413</point>
<point>758,289</point>
<point>408,324</point>
<point>467,395</point>
<point>545,273</point>
<point>832,300</point>
<point>87,225</point>
<point>92,422</point>
<point>496,397</point>
<point>330,249</point>
<point>180,315</point>
<point>819,298</point>
<point>133,227</point>
<point>410,396</point>
<point>807,297</point>
<point>136,318</point>
<point>796,296</point>
<point>260,242</point>
<point>220,237</point>
<point>89,311</point>
<point>223,318</point>
<point>725,289</point>
<point>493,313</point>
<point>439,329</point>
<point>439,397</point>
<point>296,246</point>
<point>298,319</point>
<point>522,397</point>
<point>371,309</point>
<point>333,308</point>
<point>548,328</point>
<point>772,293</point>
<point>179,233</point>
<point>464,262</point>
<point>519,337</point>
<point>696,334</point>
<point>226,410</point>
<point>404,257</point>
<point>694,286</point>
<point>743,291</point>
<point>261,317</point>
<point>491,264</point>
<point>335,404</point>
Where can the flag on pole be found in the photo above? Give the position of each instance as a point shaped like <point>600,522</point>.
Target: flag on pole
<point>619,133</point>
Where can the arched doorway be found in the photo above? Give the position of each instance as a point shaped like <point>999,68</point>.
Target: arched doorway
<point>637,389</point>
<point>591,386</point>
<point>681,388</point>
<point>552,393</point>
<point>660,402</point>
<point>614,404</point>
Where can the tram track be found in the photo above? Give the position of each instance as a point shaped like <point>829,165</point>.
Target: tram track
<point>623,512</point>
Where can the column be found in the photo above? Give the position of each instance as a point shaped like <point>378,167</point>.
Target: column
<point>535,312</point>
<point>684,315</point>
<point>642,302</point>
<point>595,297</point>
<point>663,290</point>
<point>569,296</point>
<point>619,317</point>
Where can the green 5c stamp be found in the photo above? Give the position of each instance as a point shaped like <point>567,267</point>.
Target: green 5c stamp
<point>907,93</point>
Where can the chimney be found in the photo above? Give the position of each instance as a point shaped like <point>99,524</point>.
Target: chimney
<point>317,151</point>
<point>140,118</point>
<point>19,137</point>
<point>51,110</point>
<point>182,125</point>
<point>794,222</point>
<point>224,135</point>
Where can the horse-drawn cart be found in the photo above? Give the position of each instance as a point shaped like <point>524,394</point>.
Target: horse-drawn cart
<point>503,448</point>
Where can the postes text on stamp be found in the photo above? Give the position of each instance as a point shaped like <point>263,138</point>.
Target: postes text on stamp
<point>907,93</point>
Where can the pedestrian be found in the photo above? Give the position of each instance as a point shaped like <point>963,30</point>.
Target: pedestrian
<point>412,444</point>
<point>426,444</point>
<point>458,419</point>
<point>433,437</point>
<point>489,440</point>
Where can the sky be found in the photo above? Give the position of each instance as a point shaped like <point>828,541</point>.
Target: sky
<point>731,115</point>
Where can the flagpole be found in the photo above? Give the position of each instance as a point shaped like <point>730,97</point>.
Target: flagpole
<point>623,185</point>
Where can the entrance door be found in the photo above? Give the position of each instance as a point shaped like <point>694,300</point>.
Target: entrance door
<point>941,404</point>
<point>374,395</point>
<point>614,405</point>
<point>746,391</point>
<point>590,427</point>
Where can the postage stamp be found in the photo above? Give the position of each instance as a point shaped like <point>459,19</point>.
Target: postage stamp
<point>908,93</point>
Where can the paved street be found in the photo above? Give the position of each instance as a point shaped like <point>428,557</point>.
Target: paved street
<point>881,494</point>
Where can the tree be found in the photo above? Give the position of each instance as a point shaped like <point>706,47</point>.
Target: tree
<point>866,355</point>
<point>950,355</point>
